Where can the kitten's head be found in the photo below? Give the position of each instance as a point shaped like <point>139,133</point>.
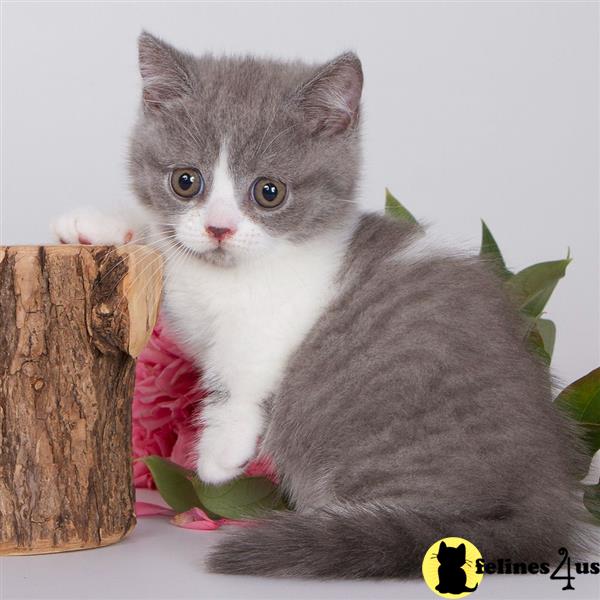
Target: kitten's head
<point>236,157</point>
<point>452,557</point>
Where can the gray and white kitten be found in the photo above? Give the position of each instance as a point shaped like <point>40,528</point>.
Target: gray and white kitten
<point>388,382</point>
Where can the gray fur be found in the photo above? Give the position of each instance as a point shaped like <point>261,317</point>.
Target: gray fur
<point>413,410</point>
<point>269,112</point>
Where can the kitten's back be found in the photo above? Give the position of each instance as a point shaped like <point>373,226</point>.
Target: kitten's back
<point>413,411</point>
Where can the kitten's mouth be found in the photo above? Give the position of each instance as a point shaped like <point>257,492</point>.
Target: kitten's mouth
<point>216,251</point>
<point>217,255</point>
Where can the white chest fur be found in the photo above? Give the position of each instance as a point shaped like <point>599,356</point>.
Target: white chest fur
<point>244,322</point>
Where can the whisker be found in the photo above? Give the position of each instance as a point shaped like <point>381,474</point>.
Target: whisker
<point>355,202</point>
<point>192,123</point>
<point>134,242</point>
<point>133,253</point>
<point>277,137</point>
<point>155,263</point>
<point>275,112</point>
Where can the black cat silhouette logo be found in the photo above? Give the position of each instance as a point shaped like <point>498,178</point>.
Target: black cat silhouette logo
<point>453,579</point>
<point>449,568</point>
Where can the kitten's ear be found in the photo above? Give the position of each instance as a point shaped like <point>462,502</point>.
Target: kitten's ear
<point>330,100</point>
<point>462,550</point>
<point>443,546</point>
<point>163,70</point>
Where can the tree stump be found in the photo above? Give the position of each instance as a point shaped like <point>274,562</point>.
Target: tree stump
<point>72,321</point>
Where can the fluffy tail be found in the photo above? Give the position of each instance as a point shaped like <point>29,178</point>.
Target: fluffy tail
<point>331,543</point>
<point>368,541</point>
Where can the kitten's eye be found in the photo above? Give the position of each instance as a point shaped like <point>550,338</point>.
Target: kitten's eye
<point>187,182</point>
<point>269,193</point>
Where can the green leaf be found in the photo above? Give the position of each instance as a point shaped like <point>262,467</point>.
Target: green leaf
<point>591,499</point>
<point>490,250</point>
<point>547,331</point>
<point>581,401</point>
<point>173,483</point>
<point>582,398</point>
<point>532,287</point>
<point>395,209</point>
<point>242,498</point>
<point>536,343</point>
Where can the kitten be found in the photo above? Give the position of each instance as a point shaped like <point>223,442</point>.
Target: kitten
<point>391,387</point>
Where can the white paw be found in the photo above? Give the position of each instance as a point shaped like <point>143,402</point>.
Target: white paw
<point>89,226</point>
<point>224,450</point>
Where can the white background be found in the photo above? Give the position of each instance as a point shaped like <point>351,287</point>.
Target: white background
<point>470,110</point>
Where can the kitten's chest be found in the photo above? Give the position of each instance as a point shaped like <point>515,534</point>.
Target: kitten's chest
<point>244,323</point>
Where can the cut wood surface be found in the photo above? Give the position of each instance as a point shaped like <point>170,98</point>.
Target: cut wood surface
<point>72,321</point>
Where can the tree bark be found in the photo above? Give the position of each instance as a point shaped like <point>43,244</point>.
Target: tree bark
<point>72,321</point>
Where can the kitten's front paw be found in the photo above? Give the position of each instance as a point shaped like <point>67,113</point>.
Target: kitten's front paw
<point>89,226</point>
<point>223,452</point>
<point>211,471</point>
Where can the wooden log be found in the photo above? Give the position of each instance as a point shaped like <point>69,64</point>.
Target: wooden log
<point>72,321</point>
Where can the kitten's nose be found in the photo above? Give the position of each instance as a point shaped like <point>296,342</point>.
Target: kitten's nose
<point>219,233</point>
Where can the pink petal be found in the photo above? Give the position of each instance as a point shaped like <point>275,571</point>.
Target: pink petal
<point>197,519</point>
<point>198,525</point>
<point>147,509</point>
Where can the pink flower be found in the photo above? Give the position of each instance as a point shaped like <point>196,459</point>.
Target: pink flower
<point>167,393</point>
<point>167,398</point>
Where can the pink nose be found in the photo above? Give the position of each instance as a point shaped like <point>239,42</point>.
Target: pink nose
<point>219,233</point>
